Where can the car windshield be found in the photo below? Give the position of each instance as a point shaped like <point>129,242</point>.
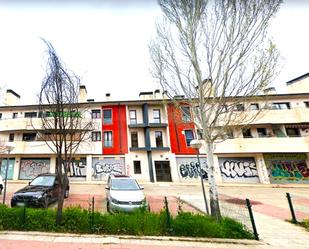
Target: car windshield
<point>43,181</point>
<point>124,184</point>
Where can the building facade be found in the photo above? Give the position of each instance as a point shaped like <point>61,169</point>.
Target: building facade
<point>150,139</point>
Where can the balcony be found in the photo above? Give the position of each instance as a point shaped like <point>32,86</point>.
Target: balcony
<point>19,124</point>
<point>264,145</point>
<point>149,149</point>
<point>286,116</point>
<point>157,125</point>
<point>40,147</point>
<point>137,125</point>
<point>151,125</point>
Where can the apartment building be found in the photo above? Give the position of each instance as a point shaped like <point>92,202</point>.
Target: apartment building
<point>149,139</point>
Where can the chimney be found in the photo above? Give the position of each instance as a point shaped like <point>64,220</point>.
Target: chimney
<point>157,94</point>
<point>270,91</point>
<point>207,87</point>
<point>11,98</point>
<point>107,96</point>
<point>145,95</point>
<point>82,97</point>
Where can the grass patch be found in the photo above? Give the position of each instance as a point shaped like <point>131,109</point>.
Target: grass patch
<point>305,224</point>
<point>140,222</point>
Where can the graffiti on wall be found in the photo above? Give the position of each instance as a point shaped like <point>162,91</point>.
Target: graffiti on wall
<point>240,169</point>
<point>10,168</point>
<point>77,168</point>
<point>101,168</point>
<point>190,169</point>
<point>287,168</point>
<point>31,167</point>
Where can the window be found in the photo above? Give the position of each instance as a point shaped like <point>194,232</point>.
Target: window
<point>108,139</point>
<point>306,104</point>
<point>186,115</point>
<point>239,107</point>
<point>200,134</point>
<point>261,132</point>
<point>95,114</point>
<point>246,133</point>
<point>156,116</point>
<point>11,137</point>
<point>107,116</point>
<point>230,134</point>
<point>278,132</point>
<point>189,136</point>
<point>31,114</point>
<point>96,136</point>
<point>292,132</point>
<point>134,139</point>
<point>254,107</point>
<point>280,106</point>
<point>133,119</point>
<point>137,167</point>
<point>14,114</point>
<point>29,136</point>
<point>159,140</point>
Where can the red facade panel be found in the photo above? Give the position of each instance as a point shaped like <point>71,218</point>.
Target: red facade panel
<point>118,127</point>
<point>176,129</point>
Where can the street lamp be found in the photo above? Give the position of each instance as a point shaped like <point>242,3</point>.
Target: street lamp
<point>9,149</point>
<point>196,144</point>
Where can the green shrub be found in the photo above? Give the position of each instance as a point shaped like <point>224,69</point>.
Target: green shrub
<point>305,223</point>
<point>140,222</point>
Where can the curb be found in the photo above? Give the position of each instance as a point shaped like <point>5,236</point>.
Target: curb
<point>114,239</point>
<point>261,185</point>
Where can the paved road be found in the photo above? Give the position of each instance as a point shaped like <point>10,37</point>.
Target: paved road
<point>269,204</point>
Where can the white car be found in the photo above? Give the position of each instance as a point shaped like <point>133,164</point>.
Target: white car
<point>124,194</point>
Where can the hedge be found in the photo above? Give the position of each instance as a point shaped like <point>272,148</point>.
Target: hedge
<point>141,222</point>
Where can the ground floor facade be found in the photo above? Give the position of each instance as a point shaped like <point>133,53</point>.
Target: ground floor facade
<point>255,168</point>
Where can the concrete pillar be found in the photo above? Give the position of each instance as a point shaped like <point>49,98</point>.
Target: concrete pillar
<point>52,167</point>
<point>262,169</point>
<point>16,168</point>
<point>174,167</point>
<point>307,160</point>
<point>89,168</point>
<point>217,172</point>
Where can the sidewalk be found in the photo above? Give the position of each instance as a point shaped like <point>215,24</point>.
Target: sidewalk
<point>274,232</point>
<point>30,240</point>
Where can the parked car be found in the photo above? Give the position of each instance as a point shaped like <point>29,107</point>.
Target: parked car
<point>124,194</point>
<point>41,191</point>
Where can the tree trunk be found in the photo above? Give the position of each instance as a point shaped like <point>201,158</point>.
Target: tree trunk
<point>61,189</point>
<point>213,191</point>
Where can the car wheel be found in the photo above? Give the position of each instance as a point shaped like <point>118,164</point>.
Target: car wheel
<point>66,193</point>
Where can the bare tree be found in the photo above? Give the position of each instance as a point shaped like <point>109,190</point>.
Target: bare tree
<point>218,56</point>
<point>63,124</point>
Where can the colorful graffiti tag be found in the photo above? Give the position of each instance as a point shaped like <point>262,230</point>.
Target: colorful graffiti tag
<point>190,169</point>
<point>287,168</point>
<point>101,168</point>
<point>238,169</point>
<point>31,167</point>
<point>10,168</point>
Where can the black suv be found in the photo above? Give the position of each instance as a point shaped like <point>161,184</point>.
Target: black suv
<point>41,191</point>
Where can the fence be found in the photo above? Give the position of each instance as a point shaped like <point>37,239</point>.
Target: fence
<point>298,207</point>
<point>240,210</point>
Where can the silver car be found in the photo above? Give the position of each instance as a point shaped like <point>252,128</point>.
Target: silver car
<point>124,194</point>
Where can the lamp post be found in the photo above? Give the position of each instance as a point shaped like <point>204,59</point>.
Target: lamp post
<point>9,149</point>
<point>196,144</point>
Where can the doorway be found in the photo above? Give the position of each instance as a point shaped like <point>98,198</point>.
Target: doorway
<point>163,171</point>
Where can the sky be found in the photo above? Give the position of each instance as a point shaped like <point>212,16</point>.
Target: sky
<point>105,42</point>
